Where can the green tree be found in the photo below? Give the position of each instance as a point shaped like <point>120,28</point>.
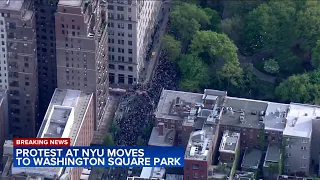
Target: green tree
<point>194,73</point>
<point>271,26</point>
<point>234,28</point>
<point>315,56</point>
<point>215,19</point>
<point>299,88</point>
<point>240,7</point>
<point>232,73</point>
<point>271,66</point>
<point>114,128</point>
<point>288,62</point>
<point>186,20</point>
<point>108,140</point>
<point>308,23</point>
<point>172,47</point>
<point>213,46</point>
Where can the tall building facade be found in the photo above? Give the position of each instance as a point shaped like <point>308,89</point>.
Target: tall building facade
<point>19,65</point>
<point>81,47</point>
<point>131,23</point>
<point>46,51</point>
<point>70,114</point>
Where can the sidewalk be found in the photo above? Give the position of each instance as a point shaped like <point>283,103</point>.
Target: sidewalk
<point>157,45</point>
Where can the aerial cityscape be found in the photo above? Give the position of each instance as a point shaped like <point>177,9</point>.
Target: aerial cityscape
<point>235,83</point>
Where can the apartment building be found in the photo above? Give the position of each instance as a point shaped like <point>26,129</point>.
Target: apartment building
<point>70,115</point>
<point>19,65</point>
<point>81,47</point>
<point>46,51</point>
<point>274,122</point>
<point>186,112</point>
<point>244,116</point>
<point>229,146</point>
<point>297,139</point>
<point>130,27</point>
<point>198,154</point>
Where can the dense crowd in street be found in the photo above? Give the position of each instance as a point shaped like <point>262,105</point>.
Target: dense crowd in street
<point>139,114</point>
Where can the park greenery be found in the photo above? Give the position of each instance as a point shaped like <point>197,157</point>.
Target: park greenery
<point>223,44</point>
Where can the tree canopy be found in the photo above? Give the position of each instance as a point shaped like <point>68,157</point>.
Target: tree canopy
<point>308,23</point>
<point>302,88</point>
<point>270,26</point>
<point>315,56</point>
<point>212,45</point>
<point>194,72</point>
<point>108,140</point>
<point>186,20</point>
<point>271,66</point>
<point>172,47</point>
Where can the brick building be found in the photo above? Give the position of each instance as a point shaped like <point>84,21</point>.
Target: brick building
<point>81,46</point>
<point>19,65</point>
<point>186,112</point>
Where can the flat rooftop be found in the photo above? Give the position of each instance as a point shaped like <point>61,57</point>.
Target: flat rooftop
<point>75,3</point>
<point>299,120</point>
<point>199,144</point>
<point>63,118</point>
<point>275,116</point>
<point>166,103</point>
<point>251,159</point>
<point>273,154</point>
<point>244,113</point>
<point>14,5</point>
<point>152,172</point>
<point>166,140</point>
<point>229,141</point>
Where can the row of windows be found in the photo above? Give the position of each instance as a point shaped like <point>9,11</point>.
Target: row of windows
<point>120,58</point>
<point>120,25</point>
<point>120,34</point>
<point>121,78</point>
<point>120,67</point>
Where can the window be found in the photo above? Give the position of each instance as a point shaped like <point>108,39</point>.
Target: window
<point>121,67</point>
<point>304,141</point>
<point>130,26</point>
<point>130,79</point>
<point>121,79</point>
<point>303,148</point>
<point>130,59</point>
<point>111,66</point>
<point>130,43</point>
<point>195,166</point>
<point>130,68</point>
<point>303,166</point>
<point>303,157</point>
<point>130,51</point>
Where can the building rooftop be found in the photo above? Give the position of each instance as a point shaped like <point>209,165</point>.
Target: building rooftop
<point>199,144</point>
<point>169,98</point>
<point>285,177</point>
<point>152,172</point>
<point>167,139</point>
<point>63,118</point>
<point>229,141</point>
<point>275,116</point>
<point>273,154</point>
<point>251,159</point>
<point>242,112</point>
<point>299,120</point>
<point>70,2</point>
<point>14,5</point>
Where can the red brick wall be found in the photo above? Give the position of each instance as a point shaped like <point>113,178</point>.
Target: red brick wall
<point>189,172</point>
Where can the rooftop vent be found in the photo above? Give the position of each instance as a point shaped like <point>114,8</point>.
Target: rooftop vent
<point>178,100</point>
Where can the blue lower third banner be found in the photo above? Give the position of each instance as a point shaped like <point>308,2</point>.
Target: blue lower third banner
<point>96,156</point>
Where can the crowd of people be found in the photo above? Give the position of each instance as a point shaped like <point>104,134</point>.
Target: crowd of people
<point>143,102</point>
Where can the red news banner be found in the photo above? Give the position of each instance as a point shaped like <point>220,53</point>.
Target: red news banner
<point>41,142</point>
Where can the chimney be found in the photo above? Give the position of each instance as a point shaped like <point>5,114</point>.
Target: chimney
<point>161,128</point>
